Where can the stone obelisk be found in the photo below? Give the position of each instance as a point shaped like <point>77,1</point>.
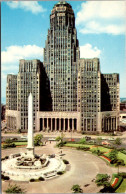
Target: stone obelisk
<point>30,145</point>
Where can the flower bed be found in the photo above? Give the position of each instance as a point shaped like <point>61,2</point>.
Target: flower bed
<point>116,181</point>
<point>107,159</point>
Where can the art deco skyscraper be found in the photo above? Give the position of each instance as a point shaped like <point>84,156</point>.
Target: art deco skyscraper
<point>61,55</point>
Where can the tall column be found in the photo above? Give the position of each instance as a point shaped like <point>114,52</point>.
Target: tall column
<point>116,123</point>
<point>72,124</point>
<point>64,124</point>
<point>43,124</point>
<point>68,125</point>
<point>111,124</point>
<point>47,123</point>
<point>30,146</point>
<point>51,124</point>
<point>59,124</point>
<point>55,124</point>
<point>108,124</point>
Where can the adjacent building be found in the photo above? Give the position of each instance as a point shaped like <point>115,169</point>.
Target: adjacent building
<point>89,93</point>
<point>69,93</point>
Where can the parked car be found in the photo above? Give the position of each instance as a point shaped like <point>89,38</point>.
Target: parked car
<point>105,143</point>
<point>14,138</point>
<point>24,137</point>
<point>51,139</point>
<point>111,138</point>
<point>87,138</point>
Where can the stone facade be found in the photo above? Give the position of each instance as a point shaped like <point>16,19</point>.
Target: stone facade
<point>61,57</point>
<point>61,121</point>
<point>11,92</point>
<point>13,118</point>
<point>69,93</point>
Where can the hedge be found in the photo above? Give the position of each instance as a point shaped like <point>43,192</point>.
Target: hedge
<point>123,174</point>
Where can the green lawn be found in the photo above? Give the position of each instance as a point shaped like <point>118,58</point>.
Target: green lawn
<point>20,143</point>
<point>122,187</point>
<point>102,149</point>
<point>120,156</point>
<point>76,145</point>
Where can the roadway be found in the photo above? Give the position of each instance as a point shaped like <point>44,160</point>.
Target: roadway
<point>82,170</point>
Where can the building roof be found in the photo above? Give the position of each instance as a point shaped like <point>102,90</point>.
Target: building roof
<point>62,3</point>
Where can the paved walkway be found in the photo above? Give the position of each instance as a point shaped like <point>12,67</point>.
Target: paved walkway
<point>83,169</point>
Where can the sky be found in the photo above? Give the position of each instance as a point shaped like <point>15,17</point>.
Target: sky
<point>101,30</point>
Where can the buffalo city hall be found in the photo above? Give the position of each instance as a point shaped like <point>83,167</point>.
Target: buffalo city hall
<point>69,93</point>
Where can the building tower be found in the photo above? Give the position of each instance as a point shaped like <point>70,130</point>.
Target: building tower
<point>28,81</point>
<point>89,93</point>
<point>61,55</point>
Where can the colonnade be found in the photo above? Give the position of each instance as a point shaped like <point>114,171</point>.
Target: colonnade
<point>61,124</point>
<point>109,124</point>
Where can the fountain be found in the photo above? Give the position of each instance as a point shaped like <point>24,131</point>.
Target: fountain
<point>24,166</point>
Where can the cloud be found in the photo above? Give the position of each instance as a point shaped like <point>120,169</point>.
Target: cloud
<point>14,53</point>
<point>10,60</point>
<point>87,51</point>
<point>102,17</point>
<point>32,6</point>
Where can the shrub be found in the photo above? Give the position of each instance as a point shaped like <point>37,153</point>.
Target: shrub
<point>76,189</point>
<point>113,154</point>
<point>41,179</point>
<point>98,152</point>
<point>60,172</point>
<point>65,161</point>
<point>8,141</point>
<point>82,141</point>
<point>32,180</point>
<point>118,162</point>
<point>12,145</point>
<point>6,178</point>
<point>121,162</point>
<point>9,145</point>
<point>83,148</point>
<point>123,151</point>
<point>113,161</point>
<point>14,189</point>
<point>123,174</point>
<point>107,190</point>
<point>5,146</point>
<point>2,176</point>
<point>61,144</point>
<point>38,140</point>
<point>102,180</point>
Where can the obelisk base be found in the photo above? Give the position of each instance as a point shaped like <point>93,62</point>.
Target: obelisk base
<point>30,151</point>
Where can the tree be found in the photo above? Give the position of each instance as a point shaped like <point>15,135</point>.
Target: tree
<point>14,189</point>
<point>76,189</point>
<point>38,140</point>
<point>102,180</point>
<point>98,140</point>
<point>119,162</point>
<point>82,140</point>
<point>118,141</point>
<point>60,140</point>
<point>8,141</point>
<point>113,155</point>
